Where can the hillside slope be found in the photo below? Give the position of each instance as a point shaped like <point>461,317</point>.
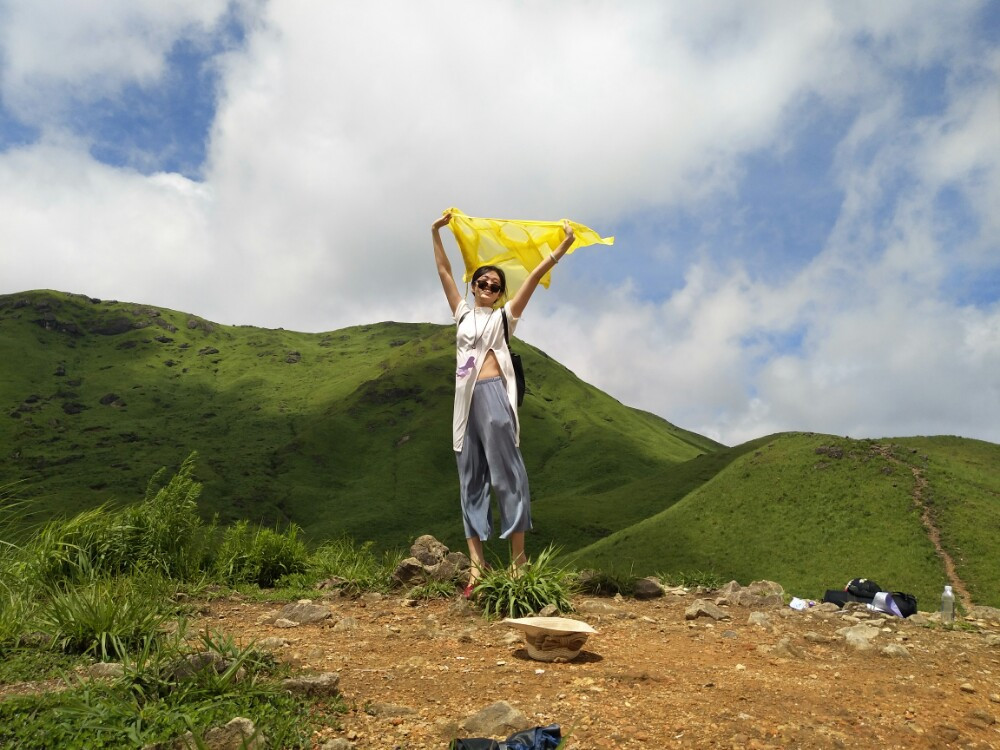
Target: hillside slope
<point>341,432</point>
<point>814,511</point>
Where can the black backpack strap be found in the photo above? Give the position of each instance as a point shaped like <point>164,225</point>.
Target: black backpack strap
<point>463,317</point>
<point>506,335</point>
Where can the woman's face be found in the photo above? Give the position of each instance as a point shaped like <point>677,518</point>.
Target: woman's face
<point>486,289</point>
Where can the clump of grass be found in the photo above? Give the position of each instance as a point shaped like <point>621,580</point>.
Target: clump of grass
<point>605,582</point>
<point>356,565</point>
<point>693,579</point>
<point>163,532</point>
<point>157,702</point>
<point>104,618</point>
<point>433,590</point>
<point>520,592</point>
<point>253,554</point>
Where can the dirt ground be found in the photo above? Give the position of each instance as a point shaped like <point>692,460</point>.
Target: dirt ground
<point>411,672</point>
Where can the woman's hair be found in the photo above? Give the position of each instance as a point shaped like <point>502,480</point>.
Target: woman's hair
<point>498,271</point>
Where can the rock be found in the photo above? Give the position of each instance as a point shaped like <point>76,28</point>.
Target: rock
<point>967,687</point>
<point>326,684</point>
<point>428,550</point>
<point>549,610</point>
<point>757,594</point>
<point>304,612</point>
<point>919,620</point>
<point>787,649</point>
<point>597,607</point>
<point>293,358</point>
<point>859,637</point>
<point>825,607</point>
<point>409,571</point>
<point>993,639</point>
<point>455,566</point>
<point>982,716</point>
<point>338,744</point>
<point>982,612</point>
<point>388,710</point>
<point>499,718</point>
<point>272,643</point>
<point>895,651</point>
<point>281,622</point>
<point>203,661</point>
<point>702,608</point>
<point>648,588</point>
<point>205,350</point>
<point>238,734</point>
<point>371,597</point>
<point>348,623</point>
<point>817,638</point>
<point>462,608</point>
<point>105,670</point>
<point>760,619</point>
<point>336,582</point>
<point>995,697</point>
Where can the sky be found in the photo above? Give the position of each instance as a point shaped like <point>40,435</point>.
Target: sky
<point>805,196</point>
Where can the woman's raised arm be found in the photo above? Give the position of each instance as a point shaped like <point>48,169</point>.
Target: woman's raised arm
<point>443,266</point>
<point>520,300</point>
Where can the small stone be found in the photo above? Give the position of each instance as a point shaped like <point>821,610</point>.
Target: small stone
<point>348,623</point>
<point>703,608</point>
<point>105,670</point>
<point>967,688</point>
<point>281,622</point>
<point>272,643</point>
<point>326,684</point>
<point>995,697</point>
<point>895,651</point>
<point>760,619</point>
<point>983,716</point>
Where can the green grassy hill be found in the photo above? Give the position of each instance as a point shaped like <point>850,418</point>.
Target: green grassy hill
<point>348,432</point>
<point>341,432</point>
<point>812,511</point>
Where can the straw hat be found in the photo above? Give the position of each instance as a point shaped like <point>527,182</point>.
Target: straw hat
<point>552,638</point>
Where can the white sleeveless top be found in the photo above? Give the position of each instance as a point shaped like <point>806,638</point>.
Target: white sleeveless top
<point>479,330</point>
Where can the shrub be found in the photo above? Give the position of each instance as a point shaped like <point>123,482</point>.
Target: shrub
<point>163,532</point>
<point>104,617</point>
<point>523,591</point>
<point>359,567</point>
<point>253,554</point>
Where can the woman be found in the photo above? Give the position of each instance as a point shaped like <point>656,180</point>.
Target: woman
<point>485,427</point>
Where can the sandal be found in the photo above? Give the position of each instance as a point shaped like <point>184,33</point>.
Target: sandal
<point>467,591</point>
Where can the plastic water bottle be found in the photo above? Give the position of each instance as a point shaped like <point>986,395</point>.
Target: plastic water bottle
<point>947,606</point>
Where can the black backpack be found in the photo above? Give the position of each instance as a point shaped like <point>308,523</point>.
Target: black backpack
<point>907,603</point>
<point>862,587</point>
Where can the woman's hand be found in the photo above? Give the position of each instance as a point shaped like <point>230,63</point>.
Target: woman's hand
<point>570,235</point>
<point>442,222</point>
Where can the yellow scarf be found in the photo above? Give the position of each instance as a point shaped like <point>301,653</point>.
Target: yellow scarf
<point>515,246</point>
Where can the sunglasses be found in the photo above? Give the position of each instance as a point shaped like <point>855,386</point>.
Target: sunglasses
<point>484,285</point>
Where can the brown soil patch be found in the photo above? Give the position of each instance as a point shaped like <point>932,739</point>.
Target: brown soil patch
<point>649,679</point>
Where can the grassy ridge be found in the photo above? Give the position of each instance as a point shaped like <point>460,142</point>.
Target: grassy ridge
<point>963,495</point>
<point>814,520</point>
<point>341,432</point>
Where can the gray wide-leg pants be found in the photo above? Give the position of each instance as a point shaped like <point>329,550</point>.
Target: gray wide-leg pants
<point>488,458</point>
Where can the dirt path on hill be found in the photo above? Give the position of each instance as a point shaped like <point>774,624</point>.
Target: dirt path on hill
<point>927,519</point>
<point>412,671</point>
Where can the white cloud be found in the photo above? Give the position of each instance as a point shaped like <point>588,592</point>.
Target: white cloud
<point>55,53</point>
<point>343,129</point>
